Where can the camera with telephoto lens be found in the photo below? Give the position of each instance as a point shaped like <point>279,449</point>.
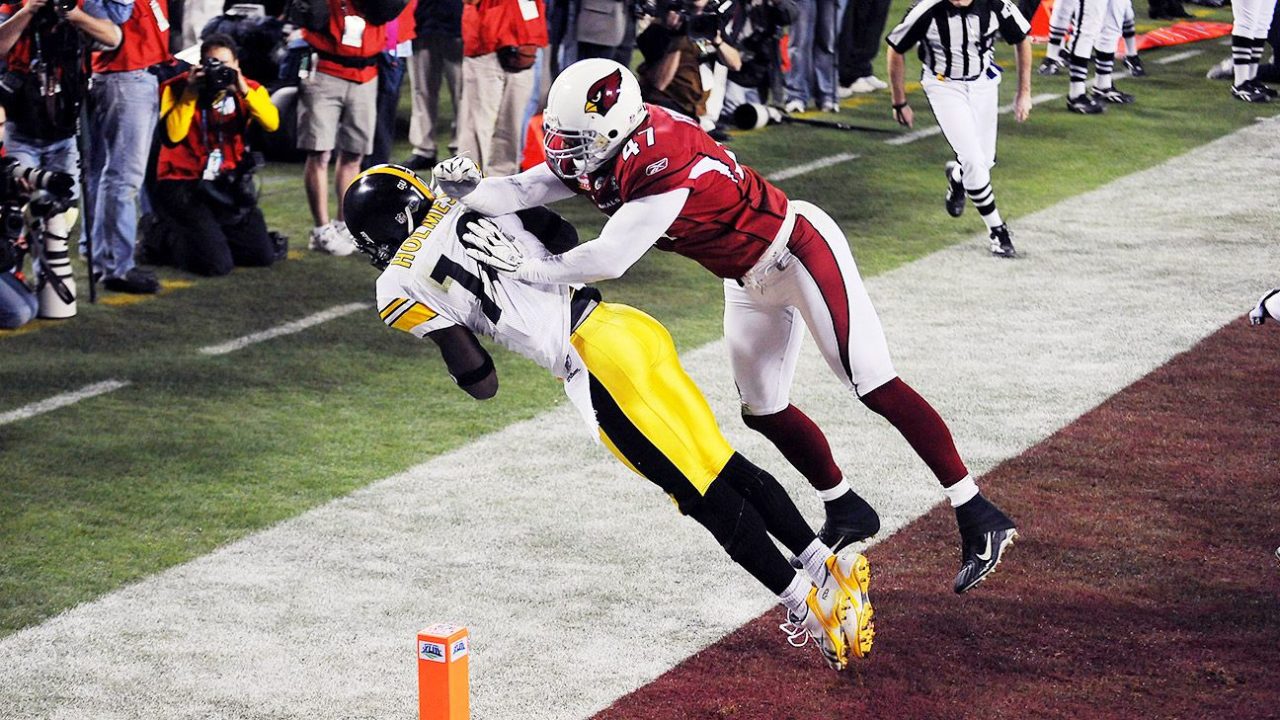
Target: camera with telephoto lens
<point>18,183</point>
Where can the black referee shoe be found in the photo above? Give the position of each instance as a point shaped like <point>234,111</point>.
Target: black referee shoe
<point>1248,93</point>
<point>1266,89</point>
<point>1002,242</point>
<point>955,192</point>
<point>1085,104</point>
<point>1113,95</point>
<point>1049,66</point>
<point>1136,68</point>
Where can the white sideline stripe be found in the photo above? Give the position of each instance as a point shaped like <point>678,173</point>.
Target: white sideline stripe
<point>1178,57</point>
<point>61,401</point>
<point>288,328</point>
<point>809,167</point>
<point>578,581</point>
<point>935,129</point>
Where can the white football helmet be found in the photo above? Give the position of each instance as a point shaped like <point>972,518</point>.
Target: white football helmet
<point>593,107</point>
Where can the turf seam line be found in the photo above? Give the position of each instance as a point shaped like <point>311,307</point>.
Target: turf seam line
<point>1176,57</point>
<point>62,400</point>
<point>820,163</point>
<point>935,129</point>
<point>288,328</point>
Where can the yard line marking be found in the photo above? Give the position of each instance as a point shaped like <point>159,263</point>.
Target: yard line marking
<point>63,400</point>
<point>288,328</point>
<point>1178,56</point>
<point>809,167</point>
<point>935,129</point>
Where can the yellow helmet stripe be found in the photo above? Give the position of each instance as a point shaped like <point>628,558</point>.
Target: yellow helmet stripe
<point>406,175</point>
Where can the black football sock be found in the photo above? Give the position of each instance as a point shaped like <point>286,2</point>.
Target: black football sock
<point>979,516</point>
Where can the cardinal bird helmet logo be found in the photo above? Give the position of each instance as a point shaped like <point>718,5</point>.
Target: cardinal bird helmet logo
<point>603,94</point>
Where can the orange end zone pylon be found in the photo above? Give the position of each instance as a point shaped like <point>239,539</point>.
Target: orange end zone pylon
<point>444,691</point>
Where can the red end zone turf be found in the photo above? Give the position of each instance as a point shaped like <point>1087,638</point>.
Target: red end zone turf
<point>1145,584</point>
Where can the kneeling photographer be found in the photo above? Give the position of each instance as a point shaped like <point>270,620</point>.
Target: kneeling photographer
<point>679,46</point>
<point>205,199</point>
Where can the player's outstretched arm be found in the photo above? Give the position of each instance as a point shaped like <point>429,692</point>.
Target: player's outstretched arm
<point>460,178</point>
<point>468,362</point>
<point>625,238</point>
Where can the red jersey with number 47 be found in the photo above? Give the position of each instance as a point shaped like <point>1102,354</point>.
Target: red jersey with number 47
<point>732,214</point>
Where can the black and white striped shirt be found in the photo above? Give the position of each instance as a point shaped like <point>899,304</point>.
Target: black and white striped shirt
<point>958,43</point>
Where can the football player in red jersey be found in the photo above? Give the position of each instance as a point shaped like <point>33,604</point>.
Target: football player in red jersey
<point>786,266</point>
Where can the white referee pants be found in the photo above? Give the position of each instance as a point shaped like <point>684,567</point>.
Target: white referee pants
<point>815,284</point>
<point>1112,26</point>
<point>1251,18</point>
<point>1088,21</point>
<point>966,112</point>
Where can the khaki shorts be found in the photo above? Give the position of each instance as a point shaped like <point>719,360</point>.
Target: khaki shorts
<point>333,112</point>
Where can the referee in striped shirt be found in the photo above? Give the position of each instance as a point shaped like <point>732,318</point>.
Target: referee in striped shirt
<point>956,40</point>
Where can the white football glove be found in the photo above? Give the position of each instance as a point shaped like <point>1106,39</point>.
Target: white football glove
<point>1259,314</point>
<point>457,176</point>
<point>487,244</point>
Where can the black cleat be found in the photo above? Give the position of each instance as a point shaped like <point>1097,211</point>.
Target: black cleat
<point>850,519</point>
<point>985,533</point>
<point>980,557</point>
<point>1085,104</point>
<point>1113,95</point>
<point>955,192</point>
<point>1002,242</point>
<point>1136,68</point>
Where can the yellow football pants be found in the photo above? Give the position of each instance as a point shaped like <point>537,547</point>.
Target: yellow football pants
<point>651,415</point>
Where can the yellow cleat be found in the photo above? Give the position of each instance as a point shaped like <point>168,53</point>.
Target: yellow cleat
<point>852,574</point>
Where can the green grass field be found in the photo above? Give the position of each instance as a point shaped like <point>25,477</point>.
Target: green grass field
<point>198,451</point>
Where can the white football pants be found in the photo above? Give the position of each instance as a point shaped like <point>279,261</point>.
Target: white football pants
<point>816,284</point>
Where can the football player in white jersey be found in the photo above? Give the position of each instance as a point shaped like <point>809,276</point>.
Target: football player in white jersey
<point>620,369</point>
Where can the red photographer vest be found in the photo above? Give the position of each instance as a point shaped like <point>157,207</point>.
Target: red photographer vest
<point>145,40</point>
<point>357,64</point>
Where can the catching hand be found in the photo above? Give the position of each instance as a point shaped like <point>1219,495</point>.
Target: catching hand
<point>486,243</point>
<point>457,176</point>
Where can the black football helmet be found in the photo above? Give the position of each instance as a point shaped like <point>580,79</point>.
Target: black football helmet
<point>382,206</point>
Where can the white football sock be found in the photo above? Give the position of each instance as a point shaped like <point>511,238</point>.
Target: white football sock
<point>793,598</point>
<point>962,492</point>
<point>814,560</point>
<point>838,491</point>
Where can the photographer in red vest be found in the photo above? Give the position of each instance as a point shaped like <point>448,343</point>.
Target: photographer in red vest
<point>204,192</point>
<point>338,107</point>
<point>500,40</point>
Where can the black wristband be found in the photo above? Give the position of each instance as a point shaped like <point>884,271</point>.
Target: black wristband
<point>899,106</point>
<point>471,377</point>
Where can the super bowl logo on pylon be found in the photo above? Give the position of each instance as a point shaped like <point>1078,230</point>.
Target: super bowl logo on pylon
<point>459,649</point>
<point>431,651</point>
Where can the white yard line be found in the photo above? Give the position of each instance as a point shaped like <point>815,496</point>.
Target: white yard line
<point>797,170</point>
<point>288,328</point>
<point>61,401</point>
<point>1178,57</point>
<point>578,580</point>
<point>934,129</point>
